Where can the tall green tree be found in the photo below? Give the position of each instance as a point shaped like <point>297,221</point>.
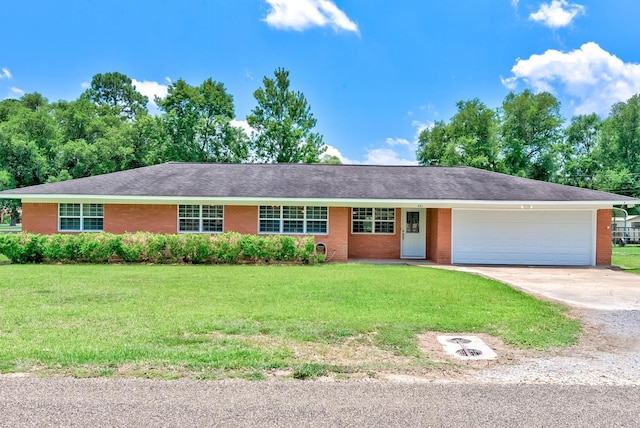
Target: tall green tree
<point>531,132</point>
<point>197,122</point>
<point>283,124</point>
<point>434,146</point>
<point>621,135</point>
<point>619,149</point>
<point>579,163</point>
<point>115,92</point>
<point>468,139</point>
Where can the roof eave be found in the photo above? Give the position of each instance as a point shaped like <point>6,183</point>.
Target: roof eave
<point>344,202</point>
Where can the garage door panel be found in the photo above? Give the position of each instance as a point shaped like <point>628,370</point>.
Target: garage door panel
<point>523,237</point>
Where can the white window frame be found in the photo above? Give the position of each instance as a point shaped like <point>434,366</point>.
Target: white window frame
<point>201,218</point>
<point>280,219</point>
<point>373,220</point>
<point>82,216</point>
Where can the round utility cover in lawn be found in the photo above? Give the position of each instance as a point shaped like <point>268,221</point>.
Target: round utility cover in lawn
<point>523,237</point>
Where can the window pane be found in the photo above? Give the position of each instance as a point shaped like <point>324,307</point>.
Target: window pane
<point>362,226</point>
<point>384,227</point>
<point>292,212</point>
<point>212,211</point>
<point>385,213</point>
<point>189,211</point>
<point>293,226</point>
<point>69,223</point>
<point>189,225</point>
<point>69,210</point>
<point>269,211</point>
<point>317,213</point>
<point>316,226</point>
<point>210,225</point>
<point>362,213</point>
<point>92,224</point>
<point>92,210</point>
<point>270,226</point>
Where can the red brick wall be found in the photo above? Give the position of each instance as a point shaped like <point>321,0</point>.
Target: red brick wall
<point>439,235</point>
<point>122,218</point>
<point>370,246</point>
<point>40,218</point>
<point>603,238</point>
<point>241,219</point>
<point>337,241</point>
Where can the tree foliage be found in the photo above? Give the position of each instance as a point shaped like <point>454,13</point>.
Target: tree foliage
<point>115,94</point>
<point>531,132</point>
<point>526,137</point>
<point>469,139</point>
<point>283,123</point>
<point>108,128</point>
<point>197,123</point>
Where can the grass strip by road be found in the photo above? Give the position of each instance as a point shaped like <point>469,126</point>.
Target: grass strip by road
<point>193,320</point>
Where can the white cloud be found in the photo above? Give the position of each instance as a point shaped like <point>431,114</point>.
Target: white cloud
<point>303,14</point>
<point>420,126</point>
<point>384,156</point>
<point>398,142</point>
<point>15,92</point>
<point>514,3</point>
<point>557,14</point>
<point>85,85</point>
<point>593,78</point>
<point>398,151</point>
<point>242,124</point>
<point>150,89</point>
<point>5,73</point>
<point>333,151</point>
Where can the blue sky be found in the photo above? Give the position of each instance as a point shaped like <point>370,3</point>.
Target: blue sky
<point>375,72</point>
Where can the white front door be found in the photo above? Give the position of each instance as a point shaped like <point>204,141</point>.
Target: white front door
<point>414,235</point>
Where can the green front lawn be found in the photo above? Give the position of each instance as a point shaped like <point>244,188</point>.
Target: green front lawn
<point>627,257</point>
<point>209,321</point>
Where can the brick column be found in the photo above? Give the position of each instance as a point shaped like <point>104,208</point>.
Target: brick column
<point>603,238</point>
<point>439,239</point>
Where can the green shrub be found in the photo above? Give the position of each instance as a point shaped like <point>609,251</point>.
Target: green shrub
<point>286,249</point>
<point>131,247</point>
<point>98,247</point>
<point>22,248</point>
<point>229,248</point>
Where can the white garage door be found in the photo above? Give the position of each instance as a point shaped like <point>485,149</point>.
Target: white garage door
<point>523,237</point>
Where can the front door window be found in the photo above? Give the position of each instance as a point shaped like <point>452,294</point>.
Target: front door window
<point>413,222</point>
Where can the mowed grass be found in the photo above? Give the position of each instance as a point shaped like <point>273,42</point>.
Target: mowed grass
<point>192,320</point>
<point>7,228</point>
<point>627,257</point>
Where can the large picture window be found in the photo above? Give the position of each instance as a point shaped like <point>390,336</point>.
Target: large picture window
<point>80,217</point>
<point>373,220</point>
<point>200,218</point>
<point>293,219</point>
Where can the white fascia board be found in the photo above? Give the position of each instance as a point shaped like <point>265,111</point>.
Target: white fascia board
<point>382,203</point>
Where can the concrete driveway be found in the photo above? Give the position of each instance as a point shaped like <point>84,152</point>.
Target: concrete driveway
<point>592,288</point>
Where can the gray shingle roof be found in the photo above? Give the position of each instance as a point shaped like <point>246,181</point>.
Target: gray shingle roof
<point>317,182</point>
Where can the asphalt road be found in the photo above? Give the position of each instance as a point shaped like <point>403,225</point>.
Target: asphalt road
<point>65,402</point>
